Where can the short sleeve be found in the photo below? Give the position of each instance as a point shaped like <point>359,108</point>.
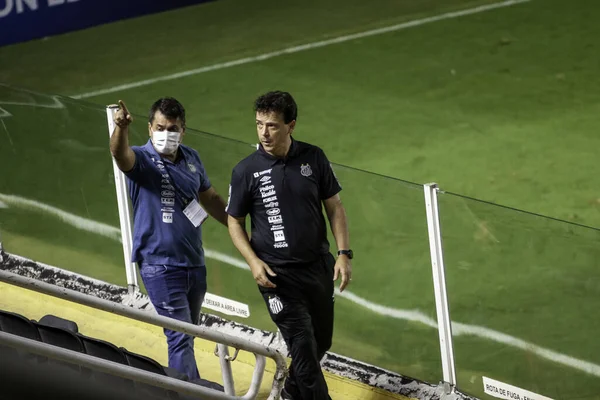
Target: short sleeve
<point>240,199</point>
<point>204,180</point>
<point>141,167</point>
<point>328,183</point>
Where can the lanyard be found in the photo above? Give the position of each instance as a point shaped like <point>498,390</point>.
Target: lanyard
<point>170,182</point>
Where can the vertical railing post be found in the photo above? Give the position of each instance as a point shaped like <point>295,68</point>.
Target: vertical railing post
<point>226,372</point>
<point>124,214</point>
<point>439,285</point>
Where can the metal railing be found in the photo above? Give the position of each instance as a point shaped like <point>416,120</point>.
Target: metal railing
<point>439,285</point>
<point>260,351</point>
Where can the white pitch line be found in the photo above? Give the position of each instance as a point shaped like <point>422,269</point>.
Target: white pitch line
<point>458,328</point>
<point>84,224</point>
<point>56,103</point>
<point>303,47</point>
<point>4,113</point>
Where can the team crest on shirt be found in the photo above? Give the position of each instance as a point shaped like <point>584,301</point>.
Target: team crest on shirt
<point>305,170</point>
<point>192,167</point>
<point>275,305</point>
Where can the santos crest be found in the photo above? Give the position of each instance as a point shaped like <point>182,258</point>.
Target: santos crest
<point>305,170</point>
<point>275,305</point>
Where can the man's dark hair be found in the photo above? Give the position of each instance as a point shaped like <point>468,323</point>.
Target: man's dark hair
<point>280,102</point>
<point>169,107</point>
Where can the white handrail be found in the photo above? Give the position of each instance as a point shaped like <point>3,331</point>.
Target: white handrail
<point>169,323</point>
<point>124,371</point>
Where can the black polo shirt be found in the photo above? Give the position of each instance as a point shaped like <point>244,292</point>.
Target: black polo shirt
<point>284,199</point>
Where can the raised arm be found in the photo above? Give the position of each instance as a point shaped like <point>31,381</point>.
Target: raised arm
<point>119,141</point>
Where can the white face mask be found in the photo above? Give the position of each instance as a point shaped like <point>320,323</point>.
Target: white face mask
<point>166,142</point>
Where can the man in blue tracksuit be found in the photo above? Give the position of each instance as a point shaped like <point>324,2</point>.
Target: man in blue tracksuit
<point>172,196</point>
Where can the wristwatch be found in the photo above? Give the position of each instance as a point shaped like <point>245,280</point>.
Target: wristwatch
<point>349,253</point>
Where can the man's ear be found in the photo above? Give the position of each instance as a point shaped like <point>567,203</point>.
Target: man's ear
<point>149,129</point>
<point>292,126</point>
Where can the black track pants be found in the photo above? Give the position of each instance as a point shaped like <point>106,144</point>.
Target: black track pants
<point>302,308</point>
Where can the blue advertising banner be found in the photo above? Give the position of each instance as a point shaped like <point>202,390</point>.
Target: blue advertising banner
<point>22,20</point>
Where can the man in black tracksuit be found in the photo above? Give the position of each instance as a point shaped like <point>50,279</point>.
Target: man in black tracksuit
<point>283,186</point>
